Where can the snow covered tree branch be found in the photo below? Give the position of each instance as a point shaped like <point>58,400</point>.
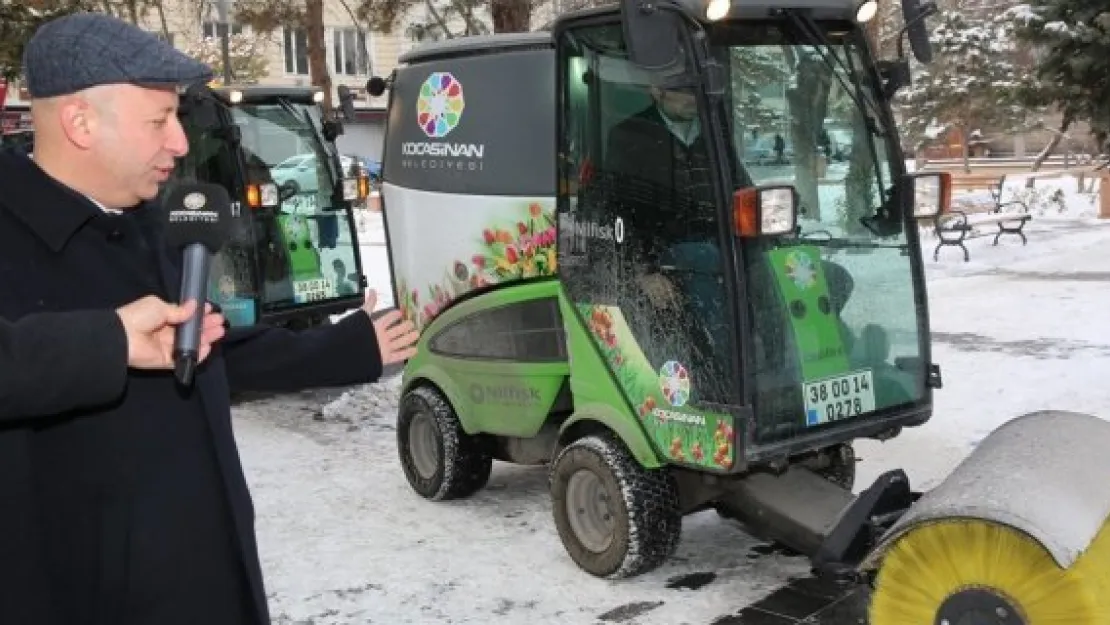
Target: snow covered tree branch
<point>975,80</point>
<point>1071,40</point>
<point>248,61</point>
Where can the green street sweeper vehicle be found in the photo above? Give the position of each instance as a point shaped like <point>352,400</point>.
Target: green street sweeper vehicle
<point>632,259</point>
<point>293,258</point>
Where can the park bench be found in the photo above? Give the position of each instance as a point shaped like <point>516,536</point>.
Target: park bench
<point>953,226</point>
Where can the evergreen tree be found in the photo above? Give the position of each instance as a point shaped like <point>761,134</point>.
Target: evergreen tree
<point>973,81</point>
<point>1071,40</point>
<point>19,19</point>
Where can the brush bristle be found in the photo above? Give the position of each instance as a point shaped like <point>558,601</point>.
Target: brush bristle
<point>932,562</point>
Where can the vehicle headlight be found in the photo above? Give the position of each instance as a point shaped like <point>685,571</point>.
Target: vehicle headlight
<point>263,195</point>
<point>776,210</point>
<point>350,189</point>
<point>268,194</point>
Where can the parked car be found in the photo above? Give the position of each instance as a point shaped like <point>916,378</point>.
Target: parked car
<point>299,172</point>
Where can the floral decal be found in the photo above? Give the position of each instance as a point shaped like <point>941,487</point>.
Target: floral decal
<point>515,250</point>
<point>684,434</point>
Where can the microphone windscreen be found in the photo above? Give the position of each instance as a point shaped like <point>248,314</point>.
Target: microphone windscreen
<point>197,212</point>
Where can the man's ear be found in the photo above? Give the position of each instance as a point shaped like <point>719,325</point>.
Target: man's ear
<point>78,119</point>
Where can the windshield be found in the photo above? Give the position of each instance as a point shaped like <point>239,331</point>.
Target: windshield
<point>834,307</point>
<point>285,141</point>
<point>303,252</point>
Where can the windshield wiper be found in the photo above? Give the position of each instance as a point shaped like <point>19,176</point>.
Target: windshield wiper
<point>881,224</point>
<point>804,23</point>
<point>841,243</point>
<point>301,115</point>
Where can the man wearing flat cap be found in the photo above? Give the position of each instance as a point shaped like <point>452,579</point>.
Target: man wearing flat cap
<point>136,511</point>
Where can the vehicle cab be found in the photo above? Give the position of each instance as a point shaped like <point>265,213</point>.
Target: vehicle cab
<point>743,164</point>
<point>294,253</point>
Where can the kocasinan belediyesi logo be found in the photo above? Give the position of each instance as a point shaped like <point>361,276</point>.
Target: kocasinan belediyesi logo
<point>193,203</point>
<point>439,110</point>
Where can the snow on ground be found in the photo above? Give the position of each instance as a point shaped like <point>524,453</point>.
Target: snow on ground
<point>345,541</point>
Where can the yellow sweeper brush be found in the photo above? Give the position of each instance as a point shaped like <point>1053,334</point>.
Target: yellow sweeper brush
<point>1016,535</point>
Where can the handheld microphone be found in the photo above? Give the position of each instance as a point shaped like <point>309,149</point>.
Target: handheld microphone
<point>197,223</point>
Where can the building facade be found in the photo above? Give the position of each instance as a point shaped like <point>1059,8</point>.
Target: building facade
<point>354,54</point>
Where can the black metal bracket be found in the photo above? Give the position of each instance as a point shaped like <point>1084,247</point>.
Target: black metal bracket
<point>934,380</point>
<point>868,517</point>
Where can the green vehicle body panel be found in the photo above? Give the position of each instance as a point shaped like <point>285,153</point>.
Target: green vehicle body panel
<point>508,398</point>
<point>805,291</point>
<point>304,260</point>
<point>597,396</point>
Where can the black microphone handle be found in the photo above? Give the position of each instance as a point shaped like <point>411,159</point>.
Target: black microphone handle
<point>194,286</point>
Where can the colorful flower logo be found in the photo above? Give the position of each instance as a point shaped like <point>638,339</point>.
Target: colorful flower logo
<point>296,228</point>
<point>675,383</point>
<point>799,266</point>
<point>440,105</point>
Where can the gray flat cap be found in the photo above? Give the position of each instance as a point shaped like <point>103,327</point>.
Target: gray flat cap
<point>89,49</point>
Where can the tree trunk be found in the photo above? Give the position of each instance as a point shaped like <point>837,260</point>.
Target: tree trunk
<point>133,11</point>
<point>965,148</point>
<point>808,103</point>
<point>511,16</point>
<point>162,19</point>
<point>1065,123</point>
<point>859,184</point>
<point>318,51</point>
<point>874,30</point>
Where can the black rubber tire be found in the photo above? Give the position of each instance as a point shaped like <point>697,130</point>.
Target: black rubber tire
<point>463,463</point>
<point>648,518</point>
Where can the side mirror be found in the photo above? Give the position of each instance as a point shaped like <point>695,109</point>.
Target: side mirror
<point>332,130</point>
<point>376,86</point>
<point>287,190</point>
<point>770,210</point>
<point>895,75</point>
<point>931,193</point>
<point>914,13</point>
<point>650,34</point>
<point>346,102</point>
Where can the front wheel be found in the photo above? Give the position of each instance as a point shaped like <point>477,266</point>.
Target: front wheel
<point>616,518</point>
<point>440,460</point>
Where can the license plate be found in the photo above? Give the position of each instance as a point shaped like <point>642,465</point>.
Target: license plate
<point>839,397</point>
<point>312,290</point>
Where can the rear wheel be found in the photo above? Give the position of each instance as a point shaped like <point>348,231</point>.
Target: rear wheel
<point>615,517</point>
<point>440,460</point>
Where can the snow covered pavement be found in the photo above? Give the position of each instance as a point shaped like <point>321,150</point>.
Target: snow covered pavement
<point>345,541</point>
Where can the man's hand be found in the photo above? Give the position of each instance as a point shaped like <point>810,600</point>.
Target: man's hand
<point>149,324</point>
<point>396,337</point>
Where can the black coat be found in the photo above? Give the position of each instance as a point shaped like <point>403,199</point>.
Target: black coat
<point>83,355</point>
<point>136,511</point>
<point>661,187</point>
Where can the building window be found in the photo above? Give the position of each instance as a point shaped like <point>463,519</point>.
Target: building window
<point>210,29</point>
<point>296,51</point>
<point>349,56</point>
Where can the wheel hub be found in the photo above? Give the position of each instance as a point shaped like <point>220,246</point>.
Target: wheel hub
<point>424,445</point>
<point>978,606</point>
<point>588,511</point>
